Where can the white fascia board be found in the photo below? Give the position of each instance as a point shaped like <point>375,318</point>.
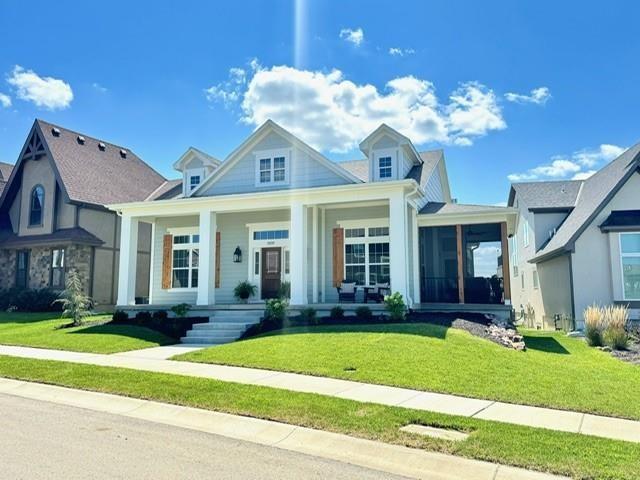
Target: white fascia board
<point>259,134</point>
<point>194,152</point>
<point>267,200</point>
<point>384,129</point>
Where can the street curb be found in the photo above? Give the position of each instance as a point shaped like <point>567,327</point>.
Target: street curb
<point>370,454</point>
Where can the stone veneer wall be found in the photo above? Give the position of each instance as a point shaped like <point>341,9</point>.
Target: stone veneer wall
<point>39,262</point>
<point>7,268</point>
<point>78,258</point>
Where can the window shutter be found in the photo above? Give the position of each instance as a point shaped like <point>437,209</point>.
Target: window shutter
<point>217,259</point>
<point>338,256</point>
<point>167,260</point>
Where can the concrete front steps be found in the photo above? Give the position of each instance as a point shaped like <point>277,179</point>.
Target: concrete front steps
<point>224,326</point>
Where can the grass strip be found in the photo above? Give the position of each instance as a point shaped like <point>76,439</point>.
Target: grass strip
<point>575,455</point>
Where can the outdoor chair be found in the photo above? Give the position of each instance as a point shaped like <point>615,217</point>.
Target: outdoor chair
<point>347,292</point>
<point>376,293</point>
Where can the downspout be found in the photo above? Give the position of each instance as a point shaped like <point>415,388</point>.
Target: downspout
<point>573,302</point>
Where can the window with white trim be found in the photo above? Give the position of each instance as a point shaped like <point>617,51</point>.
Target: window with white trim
<point>186,257</point>
<point>385,168</point>
<point>194,181</point>
<point>630,262</point>
<point>366,255</point>
<point>271,168</point>
<point>57,268</point>
<point>525,233</point>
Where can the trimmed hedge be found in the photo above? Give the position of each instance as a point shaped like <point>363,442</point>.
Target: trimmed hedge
<point>30,300</point>
<point>159,321</point>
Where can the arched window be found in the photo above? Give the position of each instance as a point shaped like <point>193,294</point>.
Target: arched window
<point>36,206</point>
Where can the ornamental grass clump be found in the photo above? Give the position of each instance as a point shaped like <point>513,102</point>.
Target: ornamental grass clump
<point>616,319</point>
<point>593,325</point>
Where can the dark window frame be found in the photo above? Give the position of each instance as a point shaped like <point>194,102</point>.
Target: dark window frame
<point>22,281</point>
<point>32,223</point>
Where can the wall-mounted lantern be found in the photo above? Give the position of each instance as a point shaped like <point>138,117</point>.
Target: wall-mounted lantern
<point>237,255</point>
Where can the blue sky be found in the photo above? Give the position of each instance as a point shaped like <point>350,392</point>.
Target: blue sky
<point>537,90</point>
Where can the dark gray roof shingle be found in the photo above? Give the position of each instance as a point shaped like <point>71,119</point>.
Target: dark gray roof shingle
<point>169,189</point>
<point>553,194</point>
<point>5,171</point>
<point>441,208</point>
<point>420,173</point>
<point>8,239</point>
<point>596,191</point>
<point>98,177</point>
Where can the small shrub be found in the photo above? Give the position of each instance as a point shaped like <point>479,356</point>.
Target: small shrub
<point>276,309</point>
<point>395,306</point>
<point>160,315</point>
<point>363,313</point>
<point>244,290</point>
<point>285,290</point>
<point>75,304</point>
<point>120,316</point>
<point>593,325</point>
<point>337,313</point>
<point>143,317</point>
<point>181,309</point>
<point>616,319</point>
<point>308,315</point>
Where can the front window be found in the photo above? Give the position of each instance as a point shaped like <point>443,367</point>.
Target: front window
<point>185,261</point>
<point>36,206</point>
<point>22,269</point>
<point>271,169</point>
<point>57,268</point>
<point>384,165</point>
<point>271,234</point>
<point>366,255</point>
<point>630,259</point>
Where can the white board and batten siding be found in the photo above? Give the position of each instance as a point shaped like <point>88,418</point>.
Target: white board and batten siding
<point>305,171</point>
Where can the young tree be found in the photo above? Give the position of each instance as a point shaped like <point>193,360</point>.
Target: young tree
<point>75,304</point>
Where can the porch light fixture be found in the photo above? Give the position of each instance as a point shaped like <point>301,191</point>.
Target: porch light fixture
<point>237,255</point>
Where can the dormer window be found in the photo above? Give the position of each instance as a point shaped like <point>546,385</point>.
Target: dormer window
<point>194,181</point>
<point>272,168</point>
<point>385,167</point>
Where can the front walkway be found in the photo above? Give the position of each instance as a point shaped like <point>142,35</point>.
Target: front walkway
<point>152,360</point>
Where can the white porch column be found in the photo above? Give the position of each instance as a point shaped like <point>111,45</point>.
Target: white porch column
<point>297,255</point>
<point>207,267</point>
<point>398,244</point>
<point>415,255</point>
<point>315,253</point>
<point>128,260</point>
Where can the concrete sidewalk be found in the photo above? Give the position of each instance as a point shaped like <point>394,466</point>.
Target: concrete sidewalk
<point>370,454</point>
<point>148,360</point>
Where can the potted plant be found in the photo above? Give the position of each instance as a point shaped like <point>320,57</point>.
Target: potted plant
<point>244,290</point>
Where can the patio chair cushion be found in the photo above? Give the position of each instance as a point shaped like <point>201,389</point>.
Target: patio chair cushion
<point>348,288</point>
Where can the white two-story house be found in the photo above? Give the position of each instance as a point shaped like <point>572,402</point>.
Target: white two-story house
<point>276,210</point>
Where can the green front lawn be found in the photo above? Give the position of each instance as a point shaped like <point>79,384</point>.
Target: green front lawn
<point>41,330</point>
<point>580,456</point>
<point>555,371</point>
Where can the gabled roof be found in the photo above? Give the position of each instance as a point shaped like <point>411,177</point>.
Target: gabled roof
<point>90,170</point>
<point>194,152</point>
<point>594,195</point>
<point>5,171</point>
<point>255,137</point>
<point>549,195</point>
<point>169,189</point>
<point>384,129</point>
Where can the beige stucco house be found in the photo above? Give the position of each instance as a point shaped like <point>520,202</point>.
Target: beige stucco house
<point>578,243</point>
<point>53,216</point>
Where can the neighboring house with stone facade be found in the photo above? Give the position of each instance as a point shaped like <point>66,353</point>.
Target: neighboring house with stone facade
<point>577,243</point>
<point>53,218</point>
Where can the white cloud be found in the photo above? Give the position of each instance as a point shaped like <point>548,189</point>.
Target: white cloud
<point>99,87</point>
<point>562,167</point>
<point>583,175</point>
<point>538,96</point>
<point>401,52</point>
<point>5,100</point>
<point>48,92</point>
<point>230,91</point>
<point>333,113</point>
<point>354,36</point>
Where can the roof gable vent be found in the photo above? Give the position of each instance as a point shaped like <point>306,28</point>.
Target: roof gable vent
<point>80,139</point>
<point>123,153</point>
<point>55,132</point>
<point>102,146</point>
